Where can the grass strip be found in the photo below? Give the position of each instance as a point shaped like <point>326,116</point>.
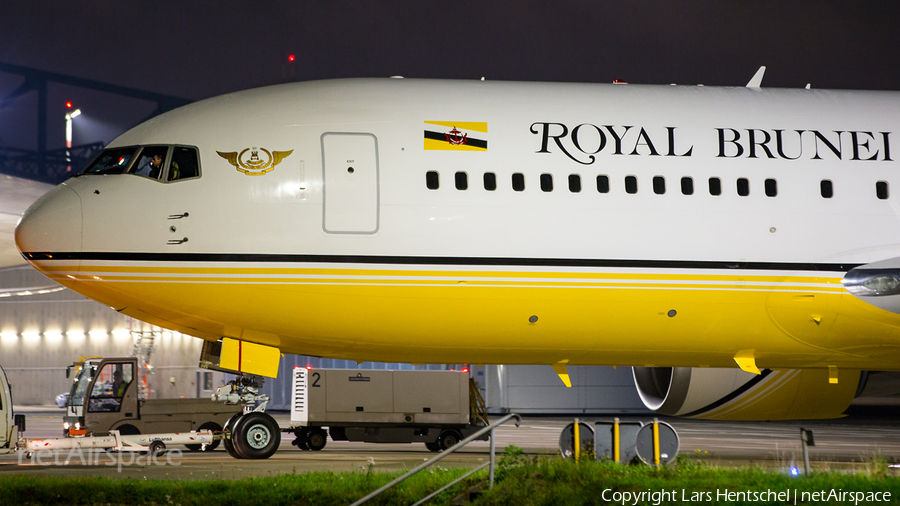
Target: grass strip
<point>320,488</point>
<point>557,481</point>
<point>520,480</point>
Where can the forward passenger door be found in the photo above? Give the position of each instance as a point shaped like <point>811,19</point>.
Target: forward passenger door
<point>350,176</point>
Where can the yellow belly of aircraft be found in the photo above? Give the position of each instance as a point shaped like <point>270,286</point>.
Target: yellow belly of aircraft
<point>434,315</point>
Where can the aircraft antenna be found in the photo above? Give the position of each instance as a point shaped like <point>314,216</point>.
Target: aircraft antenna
<point>756,81</point>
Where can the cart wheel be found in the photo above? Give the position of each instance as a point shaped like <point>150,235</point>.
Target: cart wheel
<point>300,438</point>
<point>210,446</point>
<point>448,438</point>
<point>227,442</point>
<point>157,448</point>
<point>256,436</point>
<point>433,447</point>
<point>316,439</point>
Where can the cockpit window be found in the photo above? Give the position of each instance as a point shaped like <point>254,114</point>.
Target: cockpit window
<point>151,161</point>
<point>168,163</point>
<point>112,161</point>
<point>184,164</point>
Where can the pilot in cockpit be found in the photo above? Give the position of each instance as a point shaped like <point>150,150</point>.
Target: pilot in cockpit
<point>151,168</point>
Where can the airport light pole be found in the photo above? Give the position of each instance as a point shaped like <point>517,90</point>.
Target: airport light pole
<point>69,117</point>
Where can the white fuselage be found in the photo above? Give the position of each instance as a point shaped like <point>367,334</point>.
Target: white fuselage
<point>371,263</point>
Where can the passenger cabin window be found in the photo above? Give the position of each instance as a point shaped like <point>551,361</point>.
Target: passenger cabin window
<point>432,180</point>
<point>151,161</point>
<point>881,190</point>
<point>518,182</point>
<point>574,183</point>
<point>602,184</point>
<point>826,188</point>
<point>687,186</point>
<point>659,185</point>
<point>490,181</point>
<point>743,187</point>
<point>715,186</point>
<point>184,164</point>
<point>546,182</point>
<point>462,181</point>
<point>771,188</point>
<point>630,184</point>
<point>112,161</point>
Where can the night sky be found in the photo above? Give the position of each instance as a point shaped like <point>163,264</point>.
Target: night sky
<point>198,49</point>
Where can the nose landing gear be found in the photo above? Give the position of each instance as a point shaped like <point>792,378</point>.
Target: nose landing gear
<point>250,435</point>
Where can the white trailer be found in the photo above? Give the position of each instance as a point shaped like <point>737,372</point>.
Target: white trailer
<point>153,443</point>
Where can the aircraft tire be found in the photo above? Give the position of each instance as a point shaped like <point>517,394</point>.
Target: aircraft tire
<point>256,436</point>
<point>227,443</point>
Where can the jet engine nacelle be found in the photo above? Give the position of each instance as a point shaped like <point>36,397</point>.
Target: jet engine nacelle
<point>733,394</point>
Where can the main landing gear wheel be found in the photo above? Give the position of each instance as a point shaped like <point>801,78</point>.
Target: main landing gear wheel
<point>316,439</point>
<point>256,436</point>
<point>229,430</point>
<point>214,427</point>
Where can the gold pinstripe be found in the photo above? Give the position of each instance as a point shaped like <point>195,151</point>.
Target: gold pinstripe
<point>812,284</point>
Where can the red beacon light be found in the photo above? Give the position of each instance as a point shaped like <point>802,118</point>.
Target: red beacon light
<point>291,57</point>
<point>68,105</point>
<point>309,368</point>
<point>465,369</point>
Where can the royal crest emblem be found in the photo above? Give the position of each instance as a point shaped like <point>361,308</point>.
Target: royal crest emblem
<point>454,138</point>
<point>250,162</point>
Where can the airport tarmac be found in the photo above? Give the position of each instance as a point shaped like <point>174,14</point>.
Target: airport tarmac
<point>840,444</point>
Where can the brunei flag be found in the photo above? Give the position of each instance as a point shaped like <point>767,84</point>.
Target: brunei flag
<point>456,135</point>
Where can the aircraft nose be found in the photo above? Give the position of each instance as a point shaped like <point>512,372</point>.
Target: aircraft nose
<point>52,224</point>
